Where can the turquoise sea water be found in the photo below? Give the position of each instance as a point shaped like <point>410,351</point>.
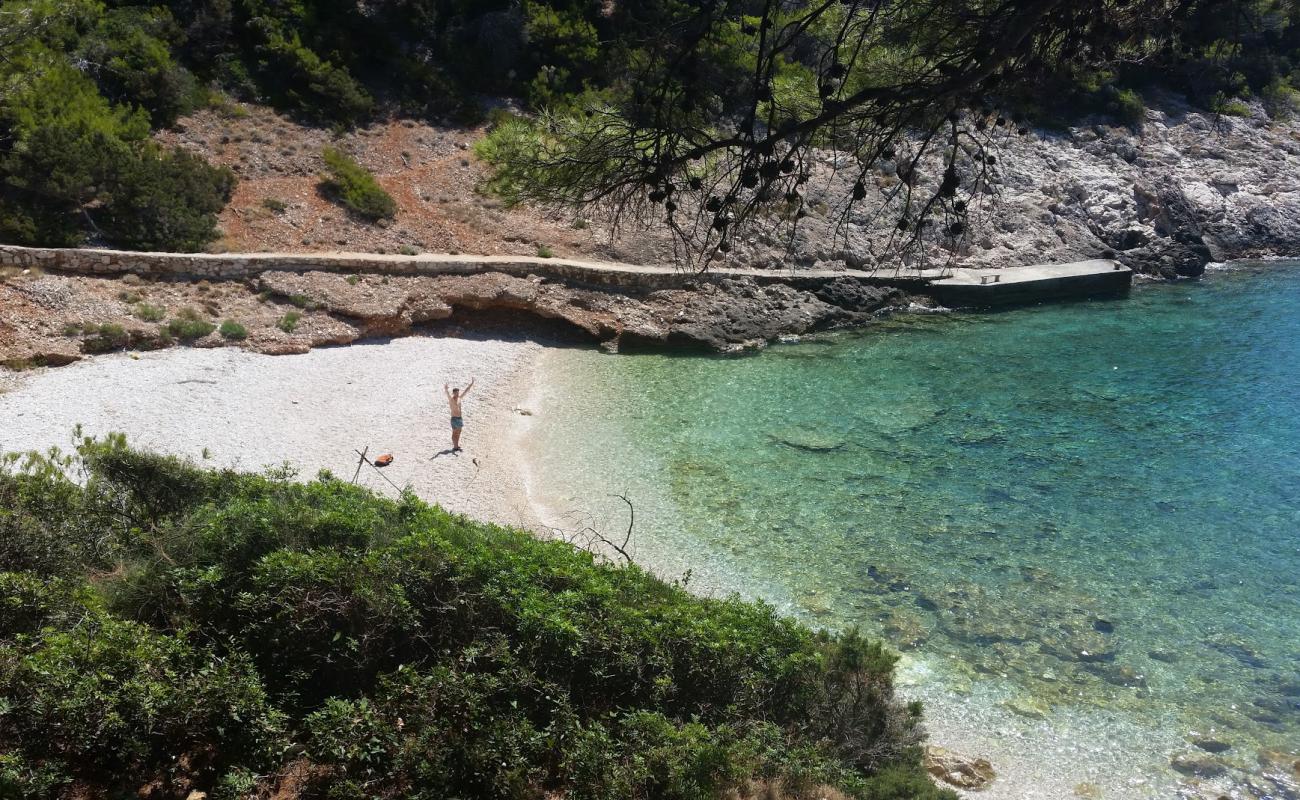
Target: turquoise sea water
<point>1080,523</point>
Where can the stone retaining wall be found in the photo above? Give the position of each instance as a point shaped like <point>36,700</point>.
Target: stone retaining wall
<point>235,266</point>
<point>243,265</point>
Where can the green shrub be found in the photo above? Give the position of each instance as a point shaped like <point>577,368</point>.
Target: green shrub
<point>1127,106</point>
<point>1281,99</point>
<point>404,651</point>
<point>1228,106</point>
<point>300,77</point>
<point>275,205</point>
<point>112,700</point>
<point>544,252</point>
<point>355,188</point>
<point>189,324</point>
<point>133,47</point>
<point>408,250</point>
<point>147,312</point>
<point>353,280</point>
<point>108,336</point>
<point>165,201</point>
<point>300,300</point>
<point>289,322</point>
<point>233,330</point>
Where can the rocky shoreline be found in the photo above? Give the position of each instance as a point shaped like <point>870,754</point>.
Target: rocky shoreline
<point>53,319</point>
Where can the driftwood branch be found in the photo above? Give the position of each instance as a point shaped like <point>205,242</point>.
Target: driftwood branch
<point>588,536</point>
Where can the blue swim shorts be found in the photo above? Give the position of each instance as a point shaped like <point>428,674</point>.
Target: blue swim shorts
<point>457,423</point>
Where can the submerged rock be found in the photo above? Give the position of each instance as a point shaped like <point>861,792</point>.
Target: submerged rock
<point>807,439</point>
<point>958,770</point>
<point>1030,707</point>
<point>1198,766</point>
<point>1163,656</point>
<point>1278,764</point>
<point>1212,745</point>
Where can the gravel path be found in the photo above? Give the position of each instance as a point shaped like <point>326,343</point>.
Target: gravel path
<point>311,411</point>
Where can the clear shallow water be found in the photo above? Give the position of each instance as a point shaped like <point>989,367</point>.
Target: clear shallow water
<point>1080,523</point>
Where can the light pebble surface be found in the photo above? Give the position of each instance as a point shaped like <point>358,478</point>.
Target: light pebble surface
<point>311,411</point>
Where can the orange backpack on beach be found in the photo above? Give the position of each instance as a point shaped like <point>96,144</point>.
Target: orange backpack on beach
<point>384,460</point>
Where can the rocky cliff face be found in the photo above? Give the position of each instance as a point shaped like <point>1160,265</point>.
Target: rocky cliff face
<point>1184,189</point>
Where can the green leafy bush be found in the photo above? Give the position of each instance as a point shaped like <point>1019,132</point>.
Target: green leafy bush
<point>75,160</point>
<point>289,322</point>
<point>1127,106</point>
<point>165,201</point>
<point>1229,106</point>
<point>275,205</point>
<point>148,312</point>
<point>352,185</point>
<point>108,336</point>
<point>189,324</point>
<point>400,650</point>
<point>110,700</point>
<point>304,79</point>
<point>232,330</point>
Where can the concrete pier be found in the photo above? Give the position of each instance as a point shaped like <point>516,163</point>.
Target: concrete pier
<point>1016,285</point>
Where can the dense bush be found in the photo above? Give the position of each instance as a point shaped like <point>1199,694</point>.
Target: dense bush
<point>232,330</point>
<point>149,312</point>
<point>165,201</point>
<point>107,337</point>
<point>399,651</point>
<point>189,324</point>
<point>352,185</point>
<point>75,157</point>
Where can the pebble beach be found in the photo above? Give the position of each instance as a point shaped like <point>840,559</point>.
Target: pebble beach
<point>230,408</point>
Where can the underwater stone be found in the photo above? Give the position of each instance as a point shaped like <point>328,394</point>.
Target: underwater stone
<point>1030,707</point>
<point>1281,764</point>
<point>958,770</point>
<point>1198,766</point>
<point>810,440</point>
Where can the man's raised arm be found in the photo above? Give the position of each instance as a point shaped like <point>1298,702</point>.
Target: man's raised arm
<point>467,388</point>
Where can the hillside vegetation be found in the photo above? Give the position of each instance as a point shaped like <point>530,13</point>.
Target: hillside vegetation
<point>83,83</point>
<point>168,629</point>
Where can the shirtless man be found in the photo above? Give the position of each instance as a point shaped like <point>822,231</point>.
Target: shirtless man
<point>454,396</point>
